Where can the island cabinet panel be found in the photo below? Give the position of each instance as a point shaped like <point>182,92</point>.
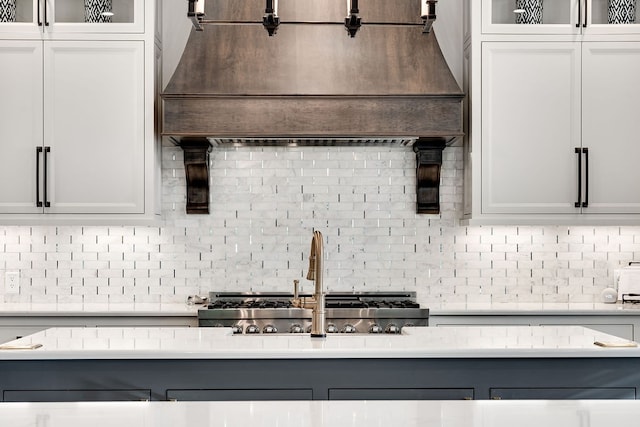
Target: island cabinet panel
<point>75,395</point>
<point>393,378</point>
<point>563,393</point>
<point>401,394</point>
<point>240,394</point>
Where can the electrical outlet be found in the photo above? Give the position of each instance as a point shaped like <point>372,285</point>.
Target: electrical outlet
<point>12,282</point>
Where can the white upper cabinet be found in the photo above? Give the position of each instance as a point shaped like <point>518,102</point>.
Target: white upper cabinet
<point>48,17</point>
<point>559,17</point>
<point>553,136</point>
<point>79,140</point>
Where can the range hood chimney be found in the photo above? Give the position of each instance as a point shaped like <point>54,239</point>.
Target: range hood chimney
<point>311,82</point>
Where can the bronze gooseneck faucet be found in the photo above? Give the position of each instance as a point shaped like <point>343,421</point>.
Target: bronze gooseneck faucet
<point>318,319</point>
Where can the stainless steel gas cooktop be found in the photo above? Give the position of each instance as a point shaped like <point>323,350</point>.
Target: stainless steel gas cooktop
<point>367,312</point>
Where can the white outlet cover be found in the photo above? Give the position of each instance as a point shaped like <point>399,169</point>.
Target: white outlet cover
<point>11,282</point>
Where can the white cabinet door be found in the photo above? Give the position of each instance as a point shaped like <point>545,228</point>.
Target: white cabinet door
<point>530,127</point>
<point>20,124</point>
<point>94,124</point>
<point>611,125</point>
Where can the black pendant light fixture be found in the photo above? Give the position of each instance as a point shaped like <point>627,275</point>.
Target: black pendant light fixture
<point>428,14</point>
<point>196,13</point>
<point>270,20</point>
<point>352,22</point>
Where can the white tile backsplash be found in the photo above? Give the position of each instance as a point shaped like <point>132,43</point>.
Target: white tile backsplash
<point>265,202</point>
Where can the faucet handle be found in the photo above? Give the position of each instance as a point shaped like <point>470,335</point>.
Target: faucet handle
<point>296,282</point>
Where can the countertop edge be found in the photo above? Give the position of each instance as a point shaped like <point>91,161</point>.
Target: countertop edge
<point>144,343</point>
<point>293,355</point>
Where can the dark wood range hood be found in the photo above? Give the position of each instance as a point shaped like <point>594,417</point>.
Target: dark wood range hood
<point>311,83</point>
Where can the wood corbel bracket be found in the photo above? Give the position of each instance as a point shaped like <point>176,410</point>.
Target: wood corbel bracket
<point>196,167</point>
<point>428,163</point>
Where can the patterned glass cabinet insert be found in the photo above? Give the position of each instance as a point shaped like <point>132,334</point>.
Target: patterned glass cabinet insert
<point>71,16</point>
<point>7,10</point>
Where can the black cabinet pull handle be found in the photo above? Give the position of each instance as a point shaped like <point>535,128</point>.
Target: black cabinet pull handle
<point>586,10</point>
<point>39,20</point>
<point>579,20</point>
<point>586,177</point>
<point>46,199</point>
<point>578,151</point>
<point>38,201</point>
<point>46,20</point>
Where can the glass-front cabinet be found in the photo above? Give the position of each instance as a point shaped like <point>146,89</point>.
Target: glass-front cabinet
<point>71,16</point>
<point>560,16</point>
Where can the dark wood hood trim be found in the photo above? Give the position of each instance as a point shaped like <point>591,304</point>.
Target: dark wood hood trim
<point>428,163</point>
<point>196,166</point>
<point>314,116</point>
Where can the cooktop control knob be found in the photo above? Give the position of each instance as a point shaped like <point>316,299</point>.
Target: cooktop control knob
<point>269,329</point>
<point>253,329</point>
<point>349,329</point>
<point>375,329</point>
<point>237,329</point>
<point>392,329</point>
<point>296,329</point>
<point>331,328</point>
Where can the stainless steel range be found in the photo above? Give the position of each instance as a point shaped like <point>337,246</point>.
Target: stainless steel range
<point>369,312</point>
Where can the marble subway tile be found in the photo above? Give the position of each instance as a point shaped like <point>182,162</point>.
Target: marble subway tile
<point>264,204</point>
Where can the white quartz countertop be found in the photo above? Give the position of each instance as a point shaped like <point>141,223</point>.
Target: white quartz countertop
<point>97,309</point>
<point>532,309</point>
<point>592,413</point>
<point>220,343</point>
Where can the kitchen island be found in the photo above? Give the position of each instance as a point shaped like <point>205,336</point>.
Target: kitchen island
<point>325,414</point>
<point>552,362</point>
